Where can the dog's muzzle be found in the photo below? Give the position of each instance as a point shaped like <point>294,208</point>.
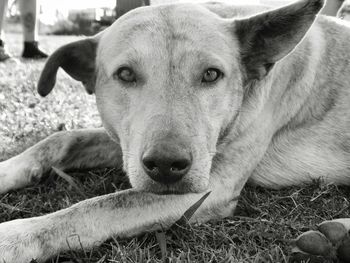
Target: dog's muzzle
<point>167,161</point>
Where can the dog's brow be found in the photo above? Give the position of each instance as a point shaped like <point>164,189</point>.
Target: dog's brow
<point>205,57</point>
<point>129,58</point>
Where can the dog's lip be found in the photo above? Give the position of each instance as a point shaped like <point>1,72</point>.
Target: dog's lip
<point>170,192</point>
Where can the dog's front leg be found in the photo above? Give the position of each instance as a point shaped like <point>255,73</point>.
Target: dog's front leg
<point>232,166</point>
<point>87,148</point>
<point>126,213</point>
<point>131,212</point>
<point>89,223</point>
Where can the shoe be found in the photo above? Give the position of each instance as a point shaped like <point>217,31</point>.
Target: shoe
<point>31,50</point>
<point>4,55</point>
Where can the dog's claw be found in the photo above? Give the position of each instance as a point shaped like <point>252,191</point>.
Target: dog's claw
<point>35,175</point>
<point>331,243</point>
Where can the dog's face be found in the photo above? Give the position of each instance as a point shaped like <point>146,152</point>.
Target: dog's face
<point>170,82</point>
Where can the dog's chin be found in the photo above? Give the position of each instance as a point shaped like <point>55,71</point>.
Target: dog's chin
<point>175,189</point>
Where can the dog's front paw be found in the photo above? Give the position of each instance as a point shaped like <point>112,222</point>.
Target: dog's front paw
<point>16,173</point>
<point>330,243</point>
<point>20,243</point>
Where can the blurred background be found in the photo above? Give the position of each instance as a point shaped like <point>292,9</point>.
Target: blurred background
<point>87,17</point>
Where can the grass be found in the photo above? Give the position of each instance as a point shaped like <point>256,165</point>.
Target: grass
<point>255,233</point>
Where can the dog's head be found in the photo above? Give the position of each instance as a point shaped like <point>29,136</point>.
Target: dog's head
<point>170,81</point>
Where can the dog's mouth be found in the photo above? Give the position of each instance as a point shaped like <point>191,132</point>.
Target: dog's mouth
<point>178,189</point>
<point>170,192</point>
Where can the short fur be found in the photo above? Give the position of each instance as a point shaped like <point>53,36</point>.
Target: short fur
<point>279,116</point>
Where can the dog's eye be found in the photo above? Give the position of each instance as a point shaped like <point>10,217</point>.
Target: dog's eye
<point>125,74</point>
<point>211,75</point>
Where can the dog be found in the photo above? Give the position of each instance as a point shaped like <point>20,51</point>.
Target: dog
<point>194,98</point>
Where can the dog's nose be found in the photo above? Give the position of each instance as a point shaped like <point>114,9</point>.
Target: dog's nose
<point>167,164</point>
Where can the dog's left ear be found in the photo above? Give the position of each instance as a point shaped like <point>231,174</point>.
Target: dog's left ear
<point>268,37</point>
<point>77,59</point>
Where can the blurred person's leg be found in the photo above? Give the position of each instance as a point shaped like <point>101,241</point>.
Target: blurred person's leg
<point>3,9</point>
<point>124,6</point>
<point>332,7</point>
<point>3,52</point>
<point>29,10</point>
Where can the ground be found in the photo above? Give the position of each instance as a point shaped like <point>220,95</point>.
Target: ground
<point>258,232</point>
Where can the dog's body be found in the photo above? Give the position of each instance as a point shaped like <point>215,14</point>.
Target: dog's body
<point>271,107</point>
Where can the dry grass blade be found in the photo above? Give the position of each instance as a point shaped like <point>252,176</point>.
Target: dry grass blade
<point>189,212</point>
<point>161,238</point>
<point>13,208</point>
<point>160,235</point>
<point>69,180</point>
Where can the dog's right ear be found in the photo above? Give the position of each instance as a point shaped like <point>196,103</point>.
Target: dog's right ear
<point>77,59</point>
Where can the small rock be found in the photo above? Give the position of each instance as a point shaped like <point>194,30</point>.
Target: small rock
<point>61,127</point>
<point>32,105</point>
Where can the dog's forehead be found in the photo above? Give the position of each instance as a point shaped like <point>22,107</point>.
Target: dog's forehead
<point>160,28</point>
<point>165,17</point>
